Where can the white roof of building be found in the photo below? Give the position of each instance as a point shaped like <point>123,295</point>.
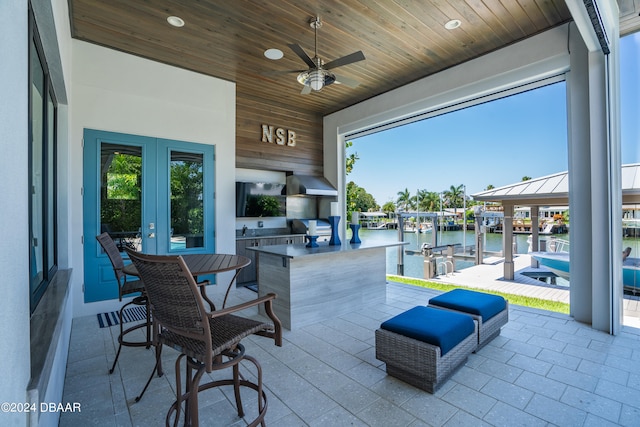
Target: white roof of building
<point>555,188</point>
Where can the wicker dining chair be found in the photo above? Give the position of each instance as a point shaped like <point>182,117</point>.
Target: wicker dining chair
<point>207,340</point>
<point>126,288</point>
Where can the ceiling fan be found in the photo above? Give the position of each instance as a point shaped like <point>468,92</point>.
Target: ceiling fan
<point>318,74</point>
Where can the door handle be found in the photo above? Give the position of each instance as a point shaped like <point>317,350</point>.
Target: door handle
<point>151,235</point>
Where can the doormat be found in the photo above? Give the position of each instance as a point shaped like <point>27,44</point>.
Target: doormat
<point>131,314</point>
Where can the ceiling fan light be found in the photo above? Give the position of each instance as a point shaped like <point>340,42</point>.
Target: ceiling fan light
<point>175,21</point>
<point>303,77</point>
<point>316,80</point>
<point>453,24</point>
<point>273,54</point>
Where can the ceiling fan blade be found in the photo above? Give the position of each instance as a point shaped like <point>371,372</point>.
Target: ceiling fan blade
<point>346,81</point>
<point>306,90</point>
<point>345,60</point>
<point>302,54</point>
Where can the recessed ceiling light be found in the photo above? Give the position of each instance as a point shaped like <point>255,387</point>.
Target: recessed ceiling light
<point>453,24</point>
<point>175,21</point>
<point>273,54</point>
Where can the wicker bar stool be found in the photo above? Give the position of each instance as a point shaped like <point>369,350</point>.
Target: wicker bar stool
<point>208,341</point>
<point>126,288</point>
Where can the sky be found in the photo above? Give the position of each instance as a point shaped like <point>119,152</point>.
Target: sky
<point>496,143</point>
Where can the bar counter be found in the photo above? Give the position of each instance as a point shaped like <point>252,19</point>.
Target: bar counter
<point>317,284</point>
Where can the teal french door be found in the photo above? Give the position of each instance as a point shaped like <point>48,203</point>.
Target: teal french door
<point>151,195</point>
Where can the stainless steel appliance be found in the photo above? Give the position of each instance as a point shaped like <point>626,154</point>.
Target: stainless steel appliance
<point>310,186</point>
<point>309,198</point>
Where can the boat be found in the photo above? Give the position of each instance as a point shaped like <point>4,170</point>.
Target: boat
<point>630,271</point>
<point>424,227</point>
<point>548,228</point>
<point>381,226</point>
<point>410,228</point>
<point>558,263</point>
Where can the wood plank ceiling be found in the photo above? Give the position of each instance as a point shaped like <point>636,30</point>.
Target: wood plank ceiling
<point>402,40</point>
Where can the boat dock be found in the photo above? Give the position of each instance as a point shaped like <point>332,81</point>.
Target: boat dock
<point>490,276</point>
<point>391,225</point>
<point>526,229</point>
<point>455,226</point>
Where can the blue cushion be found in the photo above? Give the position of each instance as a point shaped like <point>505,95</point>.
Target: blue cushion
<point>444,329</point>
<point>478,303</point>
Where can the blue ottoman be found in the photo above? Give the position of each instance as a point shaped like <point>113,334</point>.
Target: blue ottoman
<point>490,311</point>
<point>424,346</point>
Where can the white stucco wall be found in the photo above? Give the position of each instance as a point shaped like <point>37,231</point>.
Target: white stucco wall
<point>14,214</point>
<point>117,92</point>
<point>60,10</point>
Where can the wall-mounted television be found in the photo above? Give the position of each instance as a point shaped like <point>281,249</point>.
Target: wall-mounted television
<point>260,199</point>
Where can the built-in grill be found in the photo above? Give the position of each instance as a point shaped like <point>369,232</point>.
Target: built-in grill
<point>309,198</point>
<point>323,228</point>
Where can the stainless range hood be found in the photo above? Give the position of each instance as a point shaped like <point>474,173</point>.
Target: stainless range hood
<point>309,185</point>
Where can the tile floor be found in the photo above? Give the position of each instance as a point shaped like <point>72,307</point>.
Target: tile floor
<point>545,369</point>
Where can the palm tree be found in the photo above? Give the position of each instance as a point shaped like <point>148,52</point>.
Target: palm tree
<point>404,199</point>
<point>454,196</point>
<point>421,197</point>
<point>389,207</point>
<point>428,200</point>
<point>433,201</point>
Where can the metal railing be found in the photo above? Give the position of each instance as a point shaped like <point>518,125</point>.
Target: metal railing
<point>446,264</point>
<point>558,245</point>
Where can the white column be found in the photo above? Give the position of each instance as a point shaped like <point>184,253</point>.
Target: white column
<point>535,225</point>
<point>616,293</point>
<point>478,236</point>
<point>507,242</point>
<point>606,197</point>
<point>579,178</point>
<point>595,169</point>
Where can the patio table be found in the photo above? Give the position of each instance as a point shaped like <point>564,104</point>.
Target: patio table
<point>202,264</point>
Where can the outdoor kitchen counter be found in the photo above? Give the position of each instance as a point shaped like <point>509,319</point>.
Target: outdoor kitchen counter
<point>300,250</point>
<point>317,284</point>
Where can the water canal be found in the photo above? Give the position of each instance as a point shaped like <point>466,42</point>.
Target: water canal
<point>413,264</point>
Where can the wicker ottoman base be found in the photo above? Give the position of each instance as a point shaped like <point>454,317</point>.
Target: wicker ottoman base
<point>419,363</point>
<point>486,330</point>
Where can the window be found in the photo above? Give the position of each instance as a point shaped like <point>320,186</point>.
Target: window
<point>42,171</point>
